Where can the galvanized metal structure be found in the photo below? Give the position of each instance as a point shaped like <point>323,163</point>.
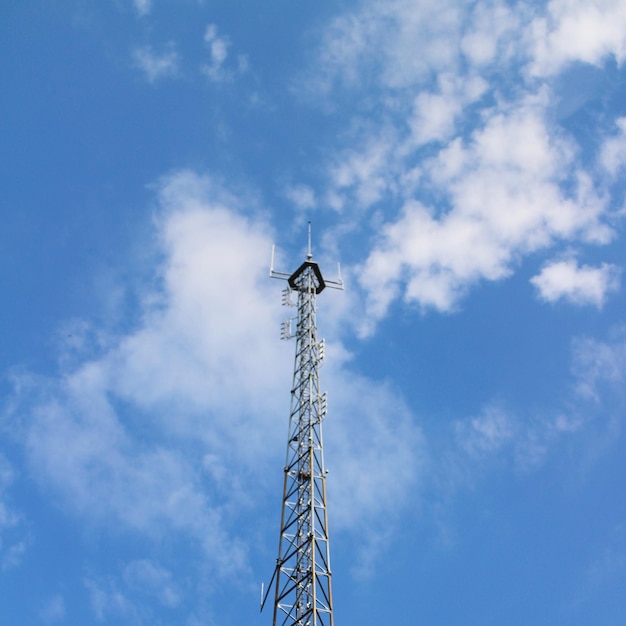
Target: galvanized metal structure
<point>302,577</point>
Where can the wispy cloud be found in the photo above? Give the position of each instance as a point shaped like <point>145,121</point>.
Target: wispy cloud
<point>157,65</point>
<point>54,611</point>
<point>598,363</point>
<point>609,564</point>
<point>400,43</point>
<point>218,49</point>
<point>302,196</point>
<point>397,43</point>
<point>487,433</point>
<point>589,413</point>
<point>613,152</point>
<point>376,455</point>
<point>13,537</point>
<point>143,7</point>
<point>151,579</point>
<point>218,69</point>
<point>521,439</point>
<point>107,599</point>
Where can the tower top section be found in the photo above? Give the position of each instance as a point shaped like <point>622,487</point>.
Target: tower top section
<point>292,279</point>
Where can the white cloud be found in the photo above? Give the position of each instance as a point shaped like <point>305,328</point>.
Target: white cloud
<point>492,33</point>
<point>578,30</point>
<point>613,151</point>
<point>514,188</point>
<point>565,280</point>
<point>170,429</point>
<point>193,371</point>
<point>470,212</point>
<point>460,177</point>
<point>157,66</point>
<point>505,192</point>
<point>400,45</point>
<point>435,114</point>
<point>219,318</point>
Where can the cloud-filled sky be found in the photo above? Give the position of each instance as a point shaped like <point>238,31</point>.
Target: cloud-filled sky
<point>463,161</point>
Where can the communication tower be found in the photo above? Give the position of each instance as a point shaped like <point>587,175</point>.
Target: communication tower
<point>302,577</point>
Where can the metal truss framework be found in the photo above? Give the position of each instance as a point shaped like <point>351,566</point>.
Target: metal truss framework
<point>303,590</point>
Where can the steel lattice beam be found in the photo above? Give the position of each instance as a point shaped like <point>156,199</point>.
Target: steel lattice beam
<point>303,590</point>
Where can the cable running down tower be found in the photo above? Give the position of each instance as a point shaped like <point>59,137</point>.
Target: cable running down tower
<point>302,577</point>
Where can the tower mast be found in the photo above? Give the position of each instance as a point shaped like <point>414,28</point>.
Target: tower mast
<point>302,589</point>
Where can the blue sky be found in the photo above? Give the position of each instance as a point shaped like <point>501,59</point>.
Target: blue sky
<point>464,161</point>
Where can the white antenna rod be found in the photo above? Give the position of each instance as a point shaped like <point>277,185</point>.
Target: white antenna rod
<point>309,255</point>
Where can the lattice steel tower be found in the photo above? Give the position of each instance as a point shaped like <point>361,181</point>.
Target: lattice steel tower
<point>302,577</point>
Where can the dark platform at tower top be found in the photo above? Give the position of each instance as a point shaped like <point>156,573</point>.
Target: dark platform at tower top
<point>316,270</point>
